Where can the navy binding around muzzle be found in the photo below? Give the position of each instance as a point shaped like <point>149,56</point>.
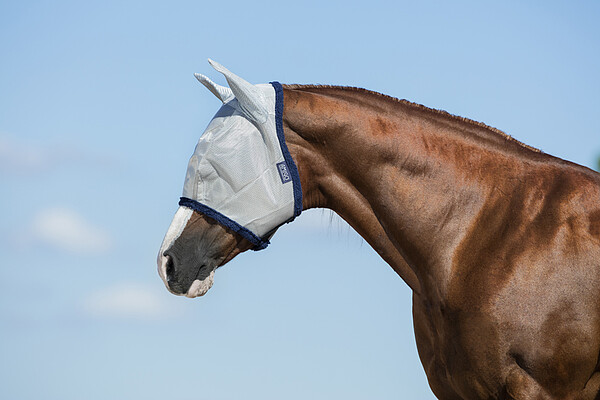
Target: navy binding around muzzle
<point>258,243</point>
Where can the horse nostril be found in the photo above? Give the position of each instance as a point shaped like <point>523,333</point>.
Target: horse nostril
<point>173,280</point>
<point>170,268</point>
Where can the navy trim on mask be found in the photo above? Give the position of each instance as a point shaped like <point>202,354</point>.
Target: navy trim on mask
<point>286,154</point>
<point>258,243</point>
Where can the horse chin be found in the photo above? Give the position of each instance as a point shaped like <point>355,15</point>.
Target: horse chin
<point>200,287</point>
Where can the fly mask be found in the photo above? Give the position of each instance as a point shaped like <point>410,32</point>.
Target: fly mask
<point>241,174</point>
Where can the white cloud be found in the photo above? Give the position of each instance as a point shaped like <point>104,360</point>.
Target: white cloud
<point>18,157</point>
<point>128,301</point>
<point>68,231</point>
<point>21,156</point>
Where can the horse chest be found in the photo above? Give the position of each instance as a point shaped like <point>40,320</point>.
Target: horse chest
<point>459,351</point>
<point>473,350</point>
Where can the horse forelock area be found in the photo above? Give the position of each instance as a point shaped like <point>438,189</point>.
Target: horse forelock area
<point>415,106</point>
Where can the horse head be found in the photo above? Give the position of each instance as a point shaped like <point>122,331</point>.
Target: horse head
<point>241,185</point>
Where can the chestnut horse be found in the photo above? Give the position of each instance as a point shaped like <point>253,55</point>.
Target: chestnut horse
<point>499,242</point>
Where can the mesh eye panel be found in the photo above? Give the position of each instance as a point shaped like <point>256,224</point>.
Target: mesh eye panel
<point>234,169</point>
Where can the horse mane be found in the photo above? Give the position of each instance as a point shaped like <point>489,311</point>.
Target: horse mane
<point>417,106</point>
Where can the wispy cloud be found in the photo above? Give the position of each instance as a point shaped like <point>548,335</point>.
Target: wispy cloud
<point>68,231</point>
<point>20,156</point>
<point>129,301</point>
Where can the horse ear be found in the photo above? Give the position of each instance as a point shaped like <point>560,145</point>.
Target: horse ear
<point>223,93</point>
<point>248,96</point>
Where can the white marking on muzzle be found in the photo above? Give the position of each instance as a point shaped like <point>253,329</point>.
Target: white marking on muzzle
<point>180,220</point>
<point>199,288</point>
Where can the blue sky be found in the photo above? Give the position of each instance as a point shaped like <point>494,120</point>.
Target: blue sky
<point>99,113</point>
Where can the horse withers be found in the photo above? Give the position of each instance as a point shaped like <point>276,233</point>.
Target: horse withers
<point>499,242</point>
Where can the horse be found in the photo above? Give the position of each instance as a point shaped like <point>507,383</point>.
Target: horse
<point>499,241</point>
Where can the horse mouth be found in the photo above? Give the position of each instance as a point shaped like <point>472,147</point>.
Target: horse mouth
<point>200,287</point>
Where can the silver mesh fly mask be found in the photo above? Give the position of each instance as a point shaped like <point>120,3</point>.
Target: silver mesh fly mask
<point>241,173</point>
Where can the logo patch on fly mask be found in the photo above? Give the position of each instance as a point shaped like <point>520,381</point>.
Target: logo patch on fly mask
<point>284,174</point>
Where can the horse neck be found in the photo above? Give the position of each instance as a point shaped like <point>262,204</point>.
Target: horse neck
<point>409,181</point>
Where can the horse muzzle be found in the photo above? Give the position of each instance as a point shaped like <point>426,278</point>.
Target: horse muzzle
<point>193,248</point>
<point>180,266</point>
<point>181,283</point>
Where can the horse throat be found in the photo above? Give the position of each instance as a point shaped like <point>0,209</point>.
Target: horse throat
<point>392,176</point>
